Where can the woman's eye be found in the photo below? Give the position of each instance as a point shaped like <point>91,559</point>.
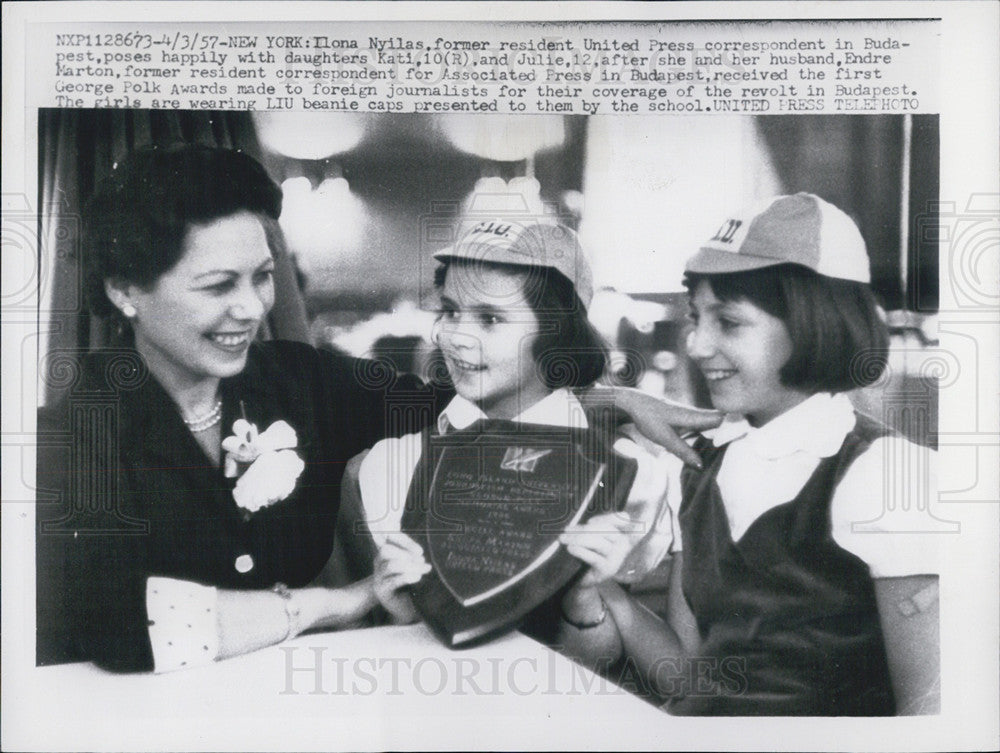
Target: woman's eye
<point>263,276</point>
<point>489,320</point>
<point>728,325</point>
<point>218,288</point>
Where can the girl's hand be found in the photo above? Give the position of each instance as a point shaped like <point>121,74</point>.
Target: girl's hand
<point>584,605</point>
<point>603,542</point>
<point>399,563</point>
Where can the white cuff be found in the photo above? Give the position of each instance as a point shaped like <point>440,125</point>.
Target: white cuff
<point>183,627</point>
<point>648,507</point>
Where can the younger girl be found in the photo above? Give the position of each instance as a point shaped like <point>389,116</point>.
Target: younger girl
<point>515,338</point>
<point>795,610</point>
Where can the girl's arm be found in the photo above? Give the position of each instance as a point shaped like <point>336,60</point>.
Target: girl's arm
<point>602,624</point>
<point>908,610</point>
<point>600,628</point>
<point>647,640</point>
<point>659,647</point>
<point>587,632</point>
<point>398,560</point>
<point>905,590</point>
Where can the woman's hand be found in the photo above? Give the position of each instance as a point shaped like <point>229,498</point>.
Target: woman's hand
<point>657,418</point>
<point>399,563</point>
<point>323,607</point>
<point>603,542</point>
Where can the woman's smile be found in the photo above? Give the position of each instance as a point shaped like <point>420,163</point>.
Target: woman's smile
<point>232,341</point>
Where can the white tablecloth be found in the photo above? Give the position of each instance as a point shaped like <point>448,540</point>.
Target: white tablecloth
<point>382,688</point>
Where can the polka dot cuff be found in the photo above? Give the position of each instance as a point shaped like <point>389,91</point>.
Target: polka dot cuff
<point>182,623</point>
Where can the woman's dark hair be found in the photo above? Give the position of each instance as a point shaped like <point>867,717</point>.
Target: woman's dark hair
<point>136,222</point>
<point>569,352</point>
<point>839,341</point>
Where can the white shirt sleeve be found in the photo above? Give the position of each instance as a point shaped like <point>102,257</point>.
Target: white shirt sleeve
<point>648,505</point>
<point>384,479</point>
<point>183,628</point>
<point>674,496</point>
<point>881,510</point>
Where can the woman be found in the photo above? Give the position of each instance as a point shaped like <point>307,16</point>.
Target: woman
<point>179,249</point>
<point>227,453</point>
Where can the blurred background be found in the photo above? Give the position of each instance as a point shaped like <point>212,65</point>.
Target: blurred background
<point>368,198</point>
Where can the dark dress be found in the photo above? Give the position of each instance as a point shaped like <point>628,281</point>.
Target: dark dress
<point>788,619</point>
<point>125,491</point>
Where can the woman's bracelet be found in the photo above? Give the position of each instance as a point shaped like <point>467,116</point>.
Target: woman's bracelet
<point>292,612</point>
<point>593,623</point>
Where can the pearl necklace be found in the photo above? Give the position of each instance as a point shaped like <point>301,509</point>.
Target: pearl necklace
<point>206,422</point>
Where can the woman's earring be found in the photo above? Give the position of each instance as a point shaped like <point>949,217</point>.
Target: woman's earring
<point>128,310</point>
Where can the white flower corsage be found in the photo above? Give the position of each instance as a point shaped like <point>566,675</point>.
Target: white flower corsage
<point>266,463</point>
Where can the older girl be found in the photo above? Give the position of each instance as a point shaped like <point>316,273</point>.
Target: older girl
<point>781,602</point>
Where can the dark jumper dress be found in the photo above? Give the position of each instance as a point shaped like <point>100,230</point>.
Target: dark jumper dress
<point>787,613</point>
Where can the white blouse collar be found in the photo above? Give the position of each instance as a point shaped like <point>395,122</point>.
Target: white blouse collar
<point>816,426</point>
<point>559,408</point>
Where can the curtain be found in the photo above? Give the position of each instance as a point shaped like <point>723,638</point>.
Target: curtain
<point>857,163</point>
<point>78,148</point>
